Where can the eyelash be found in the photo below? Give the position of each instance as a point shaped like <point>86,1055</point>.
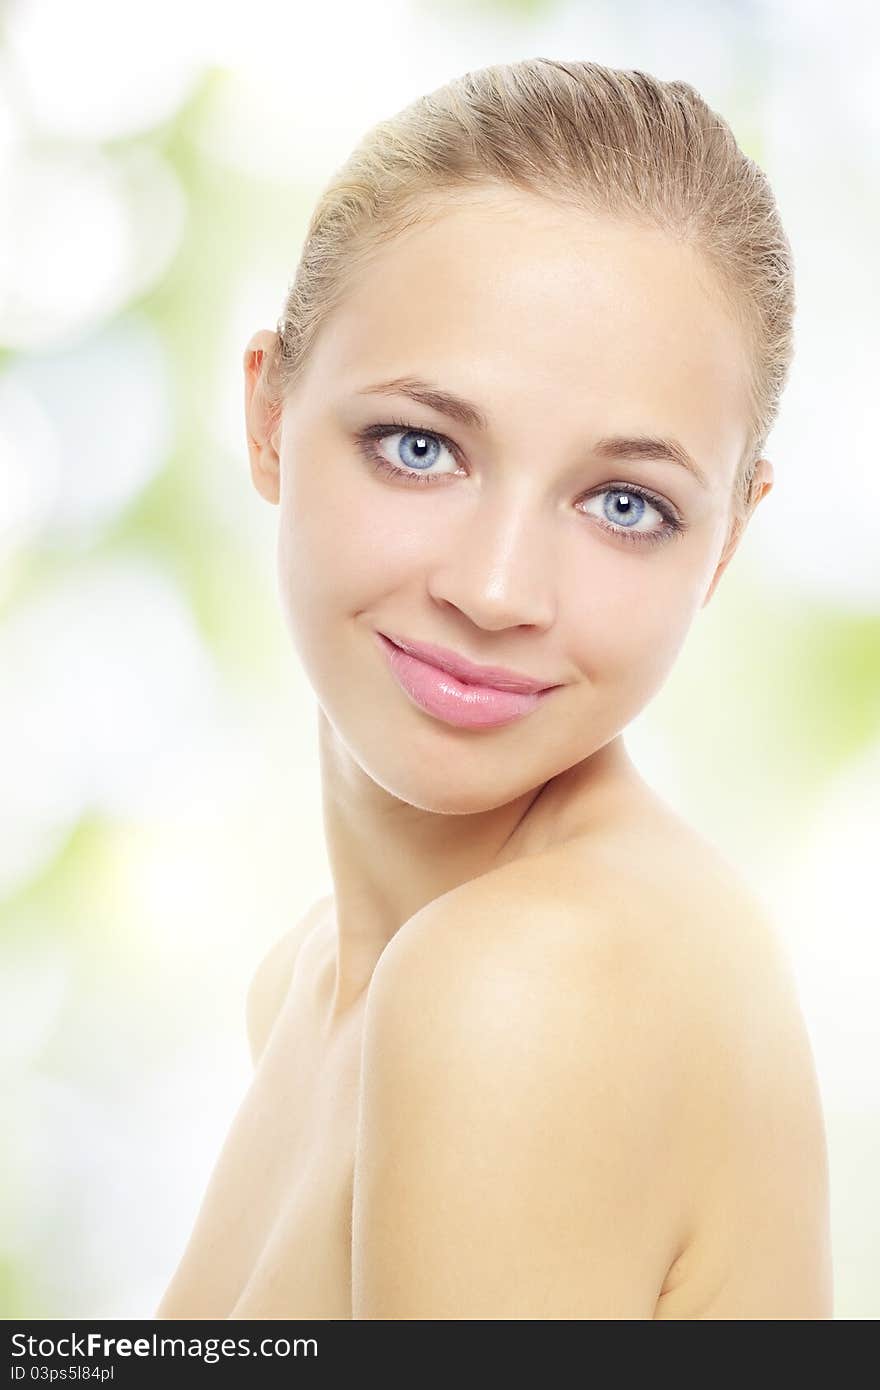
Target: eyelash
<point>368,438</point>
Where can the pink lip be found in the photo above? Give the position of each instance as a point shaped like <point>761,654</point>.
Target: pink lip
<point>457,691</point>
<point>497,677</point>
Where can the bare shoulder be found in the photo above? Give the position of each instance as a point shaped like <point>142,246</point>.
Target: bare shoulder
<point>760,1245</point>
<point>652,897</point>
<point>270,983</point>
<point>596,1055</point>
<point>527,1077</point>
<point>648,929</point>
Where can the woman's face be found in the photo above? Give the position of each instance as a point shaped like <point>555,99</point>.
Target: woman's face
<point>529,539</point>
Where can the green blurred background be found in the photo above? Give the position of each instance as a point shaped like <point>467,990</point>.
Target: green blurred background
<point>160,803</point>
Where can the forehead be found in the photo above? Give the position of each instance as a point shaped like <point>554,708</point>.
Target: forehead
<point>512,300</point>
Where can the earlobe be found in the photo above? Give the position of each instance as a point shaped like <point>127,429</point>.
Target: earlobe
<point>765,479</point>
<point>262,427</point>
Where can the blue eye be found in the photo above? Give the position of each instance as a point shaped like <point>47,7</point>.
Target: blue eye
<point>623,509</point>
<point>632,506</point>
<point>418,450</point>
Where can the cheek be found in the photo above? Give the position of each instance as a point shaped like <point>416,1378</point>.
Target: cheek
<point>342,541</point>
<point>627,616</point>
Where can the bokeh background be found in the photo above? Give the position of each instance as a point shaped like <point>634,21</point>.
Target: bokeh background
<point>160,792</point>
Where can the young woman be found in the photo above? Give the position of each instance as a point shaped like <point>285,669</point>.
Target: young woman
<point>539,1054</point>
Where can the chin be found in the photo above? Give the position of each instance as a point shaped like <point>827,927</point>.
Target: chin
<point>445,798</point>
<point>442,781</point>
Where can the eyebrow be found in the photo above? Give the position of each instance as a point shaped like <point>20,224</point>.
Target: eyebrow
<point>617,447</point>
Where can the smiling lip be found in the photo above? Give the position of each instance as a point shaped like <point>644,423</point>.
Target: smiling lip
<point>495,677</point>
<point>447,696</point>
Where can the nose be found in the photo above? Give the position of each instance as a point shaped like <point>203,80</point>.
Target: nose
<point>497,567</point>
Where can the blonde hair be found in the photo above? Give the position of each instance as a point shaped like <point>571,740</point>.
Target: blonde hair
<point>599,140</point>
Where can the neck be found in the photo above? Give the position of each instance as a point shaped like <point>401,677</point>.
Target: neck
<point>388,858</point>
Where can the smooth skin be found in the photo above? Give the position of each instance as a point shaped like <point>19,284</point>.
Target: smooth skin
<point>542,1037</point>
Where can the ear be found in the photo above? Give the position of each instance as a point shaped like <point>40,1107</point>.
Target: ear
<point>762,483</point>
<point>262,424</point>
